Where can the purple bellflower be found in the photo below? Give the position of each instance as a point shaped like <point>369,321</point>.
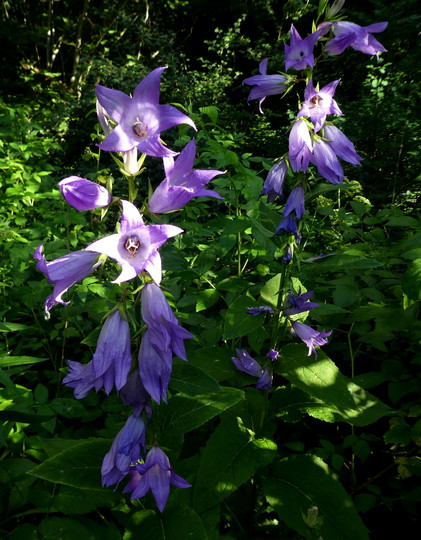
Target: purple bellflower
<point>141,118</point>
<point>320,103</point>
<point>295,202</point>
<point>156,474</point>
<point>135,247</point>
<point>300,146</point>
<point>289,225</point>
<point>265,85</point>
<point>181,183</point>
<point>65,272</point>
<point>341,145</point>
<point>311,337</point>
<point>275,180</point>
<point>125,450</point>
<point>326,162</point>
<point>134,393</point>
<point>163,338</point>
<point>299,303</point>
<point>83,194</point>
<point>260,310</point>
<point>244,362</point>
<point>358,37</point>
<point>299,53</point>
<point>287,257</point>
<point>110,364</point>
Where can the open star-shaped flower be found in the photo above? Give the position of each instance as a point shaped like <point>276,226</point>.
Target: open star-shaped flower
<point>265,85</point>
<point>348,34</point>
<point>141,118</point>
<point>182,183</point>
<point>299,53</point>
<point>135,247</point>
<point>320,103</point>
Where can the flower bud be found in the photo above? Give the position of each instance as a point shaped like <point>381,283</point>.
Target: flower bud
<point>83,194</point>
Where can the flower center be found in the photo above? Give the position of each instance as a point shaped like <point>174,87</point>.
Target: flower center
<point>132,244</point>
<point>315,102</point>
<point>140,130</point>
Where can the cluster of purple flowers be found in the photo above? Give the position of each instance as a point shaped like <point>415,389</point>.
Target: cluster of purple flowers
<point>132,125</point>
<point>312,140</point>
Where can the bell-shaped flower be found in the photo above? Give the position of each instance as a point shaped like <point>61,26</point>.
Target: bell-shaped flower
<point>289,225</point>
<point>312,338</point>
<point>299,53</point>
<point>83,194</point>
<point>125,451</point>
<point>275,180</point>
<point>156,474</point>
<point>244,362</point>
<point>65,272</point>
<point>358,37</point>
<point>341,145</point>
<point>140,119</point>
<point>320,103</point>
<point>299,303</point>
<point>181,183</point>
<point>300,146</point>
<point>260,310</point>
<point>110,364</point>
<point>135,247</point>
<point>155,367</point>
<point>295,202</point>
<point>287,257</point>
<point>265,85</point>
<point>134,393</point>
<point>326,162</point>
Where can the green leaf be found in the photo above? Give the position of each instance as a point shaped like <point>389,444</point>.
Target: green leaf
<point>72,501</point>
<point>300,482</point>
<point>54,528</point>
<point>320,378</point>
<point>176,523</point>
<point>411,280</point>
<point>238,322</point>
<point>341,262</point>
<point>191,380</point>
<point>8,361</point>
<point>270,291</point>
<point>206,299</point>
<point>79,466</point>
<point>230,458</point>
<point>403,221</point>
<point>12,327</point>
<point>185,413</point>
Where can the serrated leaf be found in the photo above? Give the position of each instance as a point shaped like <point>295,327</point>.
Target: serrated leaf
<point>270,291</point>
<point>79,466</point>
<point>300,482</point>
<point>206,299</point>
<point>191,380</point>
<point>230,458</point>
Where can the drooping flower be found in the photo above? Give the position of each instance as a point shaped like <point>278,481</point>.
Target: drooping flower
<point>320,103</point>
<point>295,202</point>
<point>156,474</point>
<point>65,272</point>
<point>311,337</point>
<point>244,362</point>
<point>135,247</point>
<point>134,393</point>
<point>260,310</point>
<point>341,145</point>
<point>140,119</point>
<point>83,194</point>
<point>358,37</point>
<point>110,363</point>
<point>125,451</point>
<point>287,257</point>
<point>326,162</point>
<point>299,53</point>
<point>275,180</point>
<point>300,146</point>
<point>289,225</point>
<point>181,183</point>
<point>265,85</point>
<point>299,303</point>
<point>163,338</point>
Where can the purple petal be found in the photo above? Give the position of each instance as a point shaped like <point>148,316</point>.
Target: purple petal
<point>114,102</point>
